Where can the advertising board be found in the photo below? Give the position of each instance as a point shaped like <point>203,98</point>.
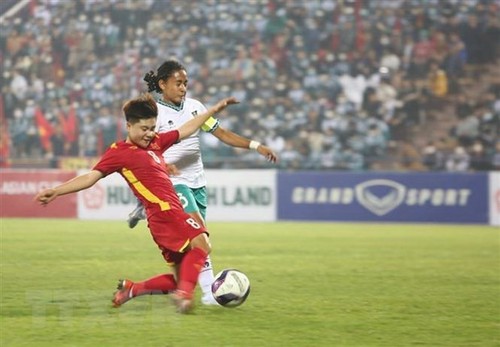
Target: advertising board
<point>241,195</point>
<point>383,197</point>
<point>109,199</point>
<point>233,195</point>
<point>494,198</point>
<point>19,187</point>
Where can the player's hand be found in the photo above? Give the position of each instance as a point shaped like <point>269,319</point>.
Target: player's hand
<point>226,102</point>
<point>46,196</point>
<point>172,170</point>
<point>267,153</point>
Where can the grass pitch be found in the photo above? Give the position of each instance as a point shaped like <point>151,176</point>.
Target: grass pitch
<point>313,284</point>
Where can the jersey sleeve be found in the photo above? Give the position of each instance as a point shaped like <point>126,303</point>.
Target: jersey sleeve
<point>110,161</point>
<point>167,139</point>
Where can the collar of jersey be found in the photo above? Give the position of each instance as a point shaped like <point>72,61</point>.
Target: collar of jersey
<point>172,106</point>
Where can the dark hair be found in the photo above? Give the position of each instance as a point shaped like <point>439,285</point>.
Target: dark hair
<point>142,107</point>
<point>165,71</point>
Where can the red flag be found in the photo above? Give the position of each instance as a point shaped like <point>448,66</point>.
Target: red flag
<point>4,138</point>
<point>45,129</point>
<point>4,146</point>
<point>70,125</point>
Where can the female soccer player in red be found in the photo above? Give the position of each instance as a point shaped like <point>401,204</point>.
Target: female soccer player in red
<point>174,109</point>
<point>139,161</point>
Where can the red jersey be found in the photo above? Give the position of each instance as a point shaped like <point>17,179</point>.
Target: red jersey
<point>145,171</point>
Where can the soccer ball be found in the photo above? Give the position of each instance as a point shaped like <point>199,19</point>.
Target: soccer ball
<point>230,288</point>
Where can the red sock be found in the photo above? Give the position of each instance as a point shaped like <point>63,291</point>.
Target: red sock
<point>190,269</point>
<point>161,284</point>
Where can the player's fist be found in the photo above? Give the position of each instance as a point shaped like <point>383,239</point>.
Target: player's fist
<point>226,102</point>
<point>45,196</point>
<point>172,170</point>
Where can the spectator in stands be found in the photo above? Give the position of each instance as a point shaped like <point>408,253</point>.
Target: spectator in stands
<point>490,38</point>
<point>458,161</point>
<point>352,160</point>
<point>375,141</point>
<point>495,158</point>
<point>455,60</point>
<point>471,35</point>
<point>290,158</point>
<point>409,157</point>
<point>411,98</point>
<point>432,157</point>
<point>87,141</point>
<point>388,97</point>
<point>19,85</point>
<point>437,81</point>
<point>354,85</point>
<point>58,145</point>
<point>107,122</point>
<point>479,159</point>
<point>467,129</point>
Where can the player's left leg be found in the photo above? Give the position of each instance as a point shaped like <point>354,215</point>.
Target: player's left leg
<point>194,202</point>
<point>127,289</point>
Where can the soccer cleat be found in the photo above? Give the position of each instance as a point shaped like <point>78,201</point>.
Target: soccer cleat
<point>183,302</point>
<point>135,216</point>
<point>124,292</point>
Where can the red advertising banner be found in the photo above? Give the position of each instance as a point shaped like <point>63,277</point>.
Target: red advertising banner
<point>18,188</point>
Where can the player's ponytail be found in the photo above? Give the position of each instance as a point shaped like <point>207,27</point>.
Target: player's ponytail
<point>152,82</point>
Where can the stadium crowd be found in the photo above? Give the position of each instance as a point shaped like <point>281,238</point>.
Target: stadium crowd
<point>327,84</point>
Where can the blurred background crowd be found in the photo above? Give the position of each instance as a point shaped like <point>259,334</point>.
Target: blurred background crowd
<point>331,84</point>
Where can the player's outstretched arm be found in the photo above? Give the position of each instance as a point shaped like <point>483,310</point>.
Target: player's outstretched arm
<point>73,185</point>
<point>191,126</point>
<point>232,139</point>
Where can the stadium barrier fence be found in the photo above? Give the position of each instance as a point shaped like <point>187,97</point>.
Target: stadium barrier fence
<point>270,195</point>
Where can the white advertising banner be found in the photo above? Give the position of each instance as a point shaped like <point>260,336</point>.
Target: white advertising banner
<point>110,198</point>
<point>233,195</point>
<point>241,195</point>
<point>495,198</point>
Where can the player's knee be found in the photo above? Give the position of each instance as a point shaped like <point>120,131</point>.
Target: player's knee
<point>201,241</point>
<point>206,246</point>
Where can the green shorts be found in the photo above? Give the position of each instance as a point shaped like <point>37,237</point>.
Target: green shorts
<point>192,199</point>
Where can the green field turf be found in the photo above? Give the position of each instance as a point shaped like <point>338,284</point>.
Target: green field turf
<point>313,284</point>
